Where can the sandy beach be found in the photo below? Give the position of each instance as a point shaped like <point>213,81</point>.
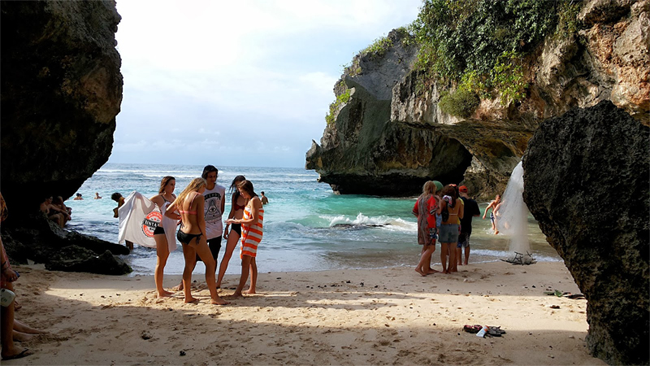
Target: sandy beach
<point>348,317</point>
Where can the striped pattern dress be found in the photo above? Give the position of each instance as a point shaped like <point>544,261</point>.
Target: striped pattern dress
<point>251,234</point>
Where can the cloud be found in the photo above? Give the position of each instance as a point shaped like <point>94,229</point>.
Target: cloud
<point>222,68</point>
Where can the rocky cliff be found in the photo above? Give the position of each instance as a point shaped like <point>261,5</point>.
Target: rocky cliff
<point>387,133</point>
<point>61,91</point>
<point>587,179</point>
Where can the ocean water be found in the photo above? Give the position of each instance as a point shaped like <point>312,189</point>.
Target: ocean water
<point>306,226</point>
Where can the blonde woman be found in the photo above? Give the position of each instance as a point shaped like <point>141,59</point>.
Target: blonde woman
<point>163,199</point>
<point>190,204</point>
<point>426,207</point>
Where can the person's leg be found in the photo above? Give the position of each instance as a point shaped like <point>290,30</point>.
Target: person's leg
<point>162,253</point>
<point>9,348</point>
<point>467,253</point>
<point>421,263</point>
<point>245,263</point>
<point>444,250</point>
<point>453,265</point>
<point>24,328</point>
<point>233,238</point>
<point>215,246</point>
<point>205,254</point>
<point>427,261</point>
<point>129,245</point>
<point>22,337</point>
<point>459,255</point>
<point>253,270</point>
<point>189,253</point>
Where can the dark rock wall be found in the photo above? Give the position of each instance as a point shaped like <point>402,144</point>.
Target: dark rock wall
<point>61,91</point>
<point>587,182</point>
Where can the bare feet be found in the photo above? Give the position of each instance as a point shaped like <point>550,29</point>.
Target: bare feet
<point>250,292</point>
<point>22,337</point>
<point>165,294</point>
<point>178,288</point>
<point>431,271</point>
<point>236,295</point>
<point>191,300</point>
<point>219,301</point>
<point>418,270</point>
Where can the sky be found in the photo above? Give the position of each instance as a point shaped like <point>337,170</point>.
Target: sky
<point>237,83</point>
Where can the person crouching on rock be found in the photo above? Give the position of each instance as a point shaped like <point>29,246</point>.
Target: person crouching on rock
<point>53,213</point>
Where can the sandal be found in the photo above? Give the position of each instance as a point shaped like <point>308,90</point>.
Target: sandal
<point>472,328</point>
<point>495,331</point>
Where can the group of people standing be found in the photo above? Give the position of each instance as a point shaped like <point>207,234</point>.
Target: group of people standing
<point>199,210</point>
<point>445,214</point>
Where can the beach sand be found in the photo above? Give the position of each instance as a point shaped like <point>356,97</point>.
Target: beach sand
<point>349,317</point>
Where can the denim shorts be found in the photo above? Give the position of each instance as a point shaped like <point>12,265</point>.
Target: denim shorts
<point>448,233</point>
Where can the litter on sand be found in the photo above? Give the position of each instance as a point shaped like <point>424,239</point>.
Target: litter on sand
<point>490,330</point>
<point>521,259</point>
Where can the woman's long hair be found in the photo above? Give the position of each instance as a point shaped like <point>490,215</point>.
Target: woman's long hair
<point>247,186</point>
<point>428,189</point>
<point>450,191</point>
<point>233,186</point>
<point>164,182</point>
<point>194,186</point>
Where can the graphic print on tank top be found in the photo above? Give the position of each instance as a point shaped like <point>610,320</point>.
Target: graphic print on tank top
<point>213,210</point>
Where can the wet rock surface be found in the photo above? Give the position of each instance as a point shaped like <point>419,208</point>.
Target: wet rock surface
<point>586,178</point>
<point>43,242</point>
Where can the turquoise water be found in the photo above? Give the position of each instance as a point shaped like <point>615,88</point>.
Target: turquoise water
<point>306,228</point>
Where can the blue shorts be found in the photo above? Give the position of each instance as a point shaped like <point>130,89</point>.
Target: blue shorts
<point>448,233</point>
<point>463,240</point>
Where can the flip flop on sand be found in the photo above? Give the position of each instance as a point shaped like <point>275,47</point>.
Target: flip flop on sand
<point>495,331</point>
<point>472,328</point>
<point>22,354</point>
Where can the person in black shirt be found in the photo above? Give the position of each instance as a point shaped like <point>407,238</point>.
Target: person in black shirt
<point>471,210</point>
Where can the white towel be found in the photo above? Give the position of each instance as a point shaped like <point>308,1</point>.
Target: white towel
<point>139,217</point>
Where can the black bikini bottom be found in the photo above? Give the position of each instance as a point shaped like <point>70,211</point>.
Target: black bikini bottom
<point>159,230</point>
<point>185,238</point>
<point>236,228</point>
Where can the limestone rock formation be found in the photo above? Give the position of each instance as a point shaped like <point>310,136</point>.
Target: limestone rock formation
<point>587,182</point>
<point>390,135</point>
<point>61,90</point>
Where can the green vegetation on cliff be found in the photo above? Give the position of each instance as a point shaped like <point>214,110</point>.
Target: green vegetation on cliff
<point>341,99</point>
<point>480,45</point>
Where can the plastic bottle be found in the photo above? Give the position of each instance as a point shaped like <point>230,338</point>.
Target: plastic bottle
<point>7,296</point>
<point>481,333</point>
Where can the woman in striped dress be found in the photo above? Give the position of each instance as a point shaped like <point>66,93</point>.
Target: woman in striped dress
<point>251,235</point>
